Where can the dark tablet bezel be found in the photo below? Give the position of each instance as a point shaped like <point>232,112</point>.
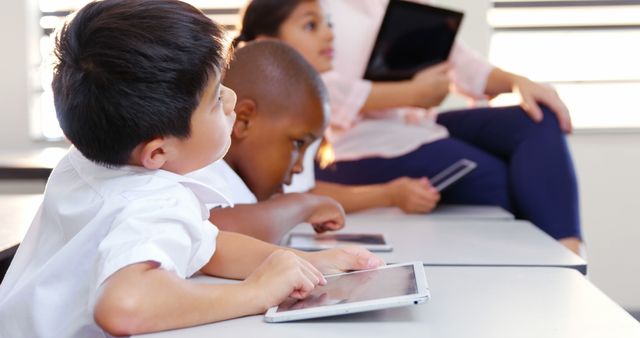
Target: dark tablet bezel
<point>371,73</point>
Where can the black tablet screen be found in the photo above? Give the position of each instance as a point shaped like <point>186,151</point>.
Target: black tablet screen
<point>412,37</point>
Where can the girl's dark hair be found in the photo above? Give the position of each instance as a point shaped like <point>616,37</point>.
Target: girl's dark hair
<point>264,17</point>
<point>130,71</point>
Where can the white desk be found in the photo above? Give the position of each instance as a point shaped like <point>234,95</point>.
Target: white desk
<point>462,243</point>
<point>478,302</point>
<point>450,212</point>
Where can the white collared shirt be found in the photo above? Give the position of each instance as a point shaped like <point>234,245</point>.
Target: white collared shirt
<point>306,180</point>
<point>223,178</point>
<point>94,221</point>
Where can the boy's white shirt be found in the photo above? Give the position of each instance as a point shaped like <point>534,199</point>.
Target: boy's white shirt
<point>94,221</point>
<point>223,178</point>
<point>306,180</point>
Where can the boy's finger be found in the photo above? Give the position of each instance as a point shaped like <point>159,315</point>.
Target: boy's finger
<point>334,226</point>
<point>311,276</point>
<point>304,286</point>
<point>314,271</point>
<point>362,258</point>
<point>318,228</point>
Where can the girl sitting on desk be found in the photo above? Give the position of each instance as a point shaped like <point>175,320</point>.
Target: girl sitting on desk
<point>383,131</point>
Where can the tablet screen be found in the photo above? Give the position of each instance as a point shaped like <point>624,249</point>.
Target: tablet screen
<point>334,239</point>
<point>358,286</point>
<point>412,37</point>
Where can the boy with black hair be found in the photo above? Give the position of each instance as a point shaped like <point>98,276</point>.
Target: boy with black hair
<point>137,91</point>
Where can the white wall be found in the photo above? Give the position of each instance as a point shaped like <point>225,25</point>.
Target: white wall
<point>475,33</point>
<point>13,67</point>
<point>608,166</point>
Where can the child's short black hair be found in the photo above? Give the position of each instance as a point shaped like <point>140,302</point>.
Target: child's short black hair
<point>132,70</point>
<point>274,74</point>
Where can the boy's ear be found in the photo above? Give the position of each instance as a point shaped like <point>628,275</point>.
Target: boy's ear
<point>245,115</point>
<point>153,154</point>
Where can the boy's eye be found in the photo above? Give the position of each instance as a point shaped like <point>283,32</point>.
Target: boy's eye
<point>298,144</point>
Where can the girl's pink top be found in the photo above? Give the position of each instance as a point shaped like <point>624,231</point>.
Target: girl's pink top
<point>392,132</point>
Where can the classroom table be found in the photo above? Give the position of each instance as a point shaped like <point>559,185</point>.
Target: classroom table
<point>29,164</point>
<point>462,242</point>
<point>478,302</point>
<point>449,211</point>
<point>16,213</point>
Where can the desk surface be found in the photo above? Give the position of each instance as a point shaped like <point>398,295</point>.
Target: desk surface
<point>492,302</point>
<point>461,243</point>
<point>450,211</point>
<point>16,214</point>
<point>35,164</point>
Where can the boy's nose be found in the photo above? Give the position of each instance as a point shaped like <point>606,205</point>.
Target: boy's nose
<point>233,100</point>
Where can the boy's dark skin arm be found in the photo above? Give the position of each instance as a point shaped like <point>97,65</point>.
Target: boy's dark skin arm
<point>270,220</point>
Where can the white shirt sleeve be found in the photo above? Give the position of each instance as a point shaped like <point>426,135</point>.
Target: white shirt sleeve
<point>470,71</point>
<point>306,180</point>
<point>164,227</point>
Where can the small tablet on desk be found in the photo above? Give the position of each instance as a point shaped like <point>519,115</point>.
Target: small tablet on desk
<point>313,242</point>
<point>412,37</point>
<point>359,291</point>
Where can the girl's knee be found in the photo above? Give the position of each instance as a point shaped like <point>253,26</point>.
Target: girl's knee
<point>550,120</point>
<point>527,128</point>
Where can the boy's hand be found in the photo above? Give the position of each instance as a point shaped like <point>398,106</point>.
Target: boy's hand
<point>413,195</point>
<point>344,259</point>
<point>283,274</point>
<point>327,215</point>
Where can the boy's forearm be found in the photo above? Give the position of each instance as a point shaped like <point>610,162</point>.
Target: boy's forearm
<point>142,298</point>
<point>237,255</point>
<point>355,198</point>
<point>268,220</point>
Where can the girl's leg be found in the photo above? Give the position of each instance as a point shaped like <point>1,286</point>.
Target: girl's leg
<point>540,170</point>
<point>486,185</point>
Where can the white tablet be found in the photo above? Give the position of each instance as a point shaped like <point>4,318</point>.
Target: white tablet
<point>359,291</point>
<point>312,242</point>
<point>452,174</point>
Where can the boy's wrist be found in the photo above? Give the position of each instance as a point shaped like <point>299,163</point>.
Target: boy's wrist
<point>253,297</point>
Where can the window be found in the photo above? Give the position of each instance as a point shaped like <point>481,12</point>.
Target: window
<point>44,124</point>
<point>586,49</point>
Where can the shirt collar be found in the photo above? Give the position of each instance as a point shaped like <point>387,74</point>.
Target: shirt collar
<point>205,193</point>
